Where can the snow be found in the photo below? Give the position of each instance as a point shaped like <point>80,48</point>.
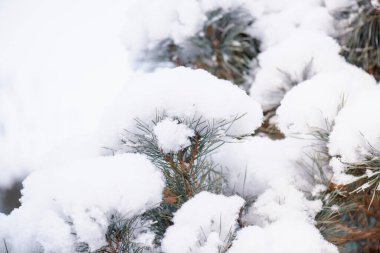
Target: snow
<point>180,19</point>
<point>339,176</point>
<point>277,238</point>
<point>283,202</point>
<point>318,190</point>
<point>84,193</point>
<point>250,169</point>
<point>356,132</point>
<point>177,20</point>
<point>203,224</point>
<point>275,211</point>
<point>302,53</point>
<point>277,20</point>
<point>61,62</point>
<point>179,92</point>
<point>73,84</point>
<point>172,136</point>
<point>338,5</point>
<point>375,3</point>
<point>306,108</point>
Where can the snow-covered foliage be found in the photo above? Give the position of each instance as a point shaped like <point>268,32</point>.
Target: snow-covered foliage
<point>251,169</point>
<point>204,224</point>
<point>176,20</point>
<point>306,108</point>
<point>277,238</point>
<point>297,58</point>
<point>358,121</point>
<point>335,5</point>
<point>274,212</point>
<point>182,93</point>
<point>172,135</point>
<point>62,207</point>
<point>117,157</point>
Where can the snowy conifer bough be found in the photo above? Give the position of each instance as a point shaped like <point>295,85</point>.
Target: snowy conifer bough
<point>243,126</point>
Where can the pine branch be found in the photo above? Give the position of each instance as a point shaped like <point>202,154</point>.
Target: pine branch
<point>121,236</point>
<point>222,47</point>
<point>361,44</point>
<point>187,171</point>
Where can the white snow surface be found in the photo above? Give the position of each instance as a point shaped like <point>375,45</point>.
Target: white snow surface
<point>301,53</point>
<point>376,4</point>
<point>278,20</point>
<point>277,238</point>
<point>315,103</point>
<point>275,211</point>
<point>357,129</point>
<point>179,92</point>
<point>61,62</point>
<point>250,169</point>
<point>282,202</point>
<point>172,135</point>
<point>203,224</point>
<point>84,193</point>
<point>339,5</point>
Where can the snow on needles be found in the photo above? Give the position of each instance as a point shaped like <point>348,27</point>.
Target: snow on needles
<point>172,136</point>
<point>250,169</point>
<point>300,74</point>
<point>203,224</point>
<point>306,108</point>
<point>275,211</point>
<point>177,20</point>
<point>299,57</point>
<point>72,204</point>
<point>179,92</point>
<point>357,128</point>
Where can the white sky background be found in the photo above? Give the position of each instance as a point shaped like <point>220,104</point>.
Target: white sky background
<point>61,62</point>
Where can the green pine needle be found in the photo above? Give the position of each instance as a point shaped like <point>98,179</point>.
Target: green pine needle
<point>361,45</point>
<point>223,47</point>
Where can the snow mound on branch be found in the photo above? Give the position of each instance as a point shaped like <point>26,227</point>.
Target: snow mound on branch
<point>79,198</point>
<point>315,103</point>
<point>183,93</point>
<point>295,59</point>
<point>283,202</point>
<point>180,19</point>
<point>339,5</point>
<point>275,211</point>
<point>251,166</point>
<point>277,238</point>
<point>357,128</point>
<point>203,224</point>
<point>172,136</point>
<point>277,20</point>
<point>176,19</point>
